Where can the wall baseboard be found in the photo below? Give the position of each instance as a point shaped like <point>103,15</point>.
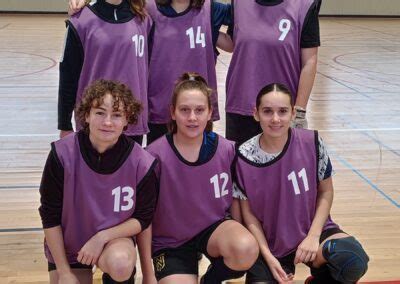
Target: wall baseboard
<point>381,8</point>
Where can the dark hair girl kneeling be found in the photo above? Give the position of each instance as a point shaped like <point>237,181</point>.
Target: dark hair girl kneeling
<point>285,176</point>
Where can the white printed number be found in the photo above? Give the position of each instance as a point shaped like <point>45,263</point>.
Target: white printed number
<point>127,198</point>
<point>200,37</point>
<point>215,180</point>
<point>284,28</point>
<point>303,175</point>
<point>138,40</point>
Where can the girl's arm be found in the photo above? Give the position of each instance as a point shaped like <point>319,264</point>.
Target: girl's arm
<point>255,228</point>
<point>225,42</point>
<point>89,254</point>
<point>146,200</point>
<point>307,250</point>
<point>309,58</point>
<point>144,246</point>
<point>51,199</point>
<point>55,242</point>
<point>75,6</point>
<point>235,210</point>
<point>70,69</point>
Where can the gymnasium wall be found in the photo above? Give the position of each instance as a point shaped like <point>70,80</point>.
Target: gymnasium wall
<point>329,7</point>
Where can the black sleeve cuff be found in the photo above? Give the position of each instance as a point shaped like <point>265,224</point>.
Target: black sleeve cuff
<point>146,199</point>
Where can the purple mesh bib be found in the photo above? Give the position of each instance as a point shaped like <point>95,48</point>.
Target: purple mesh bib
<point>192,197</point>
<point>181,44</point>
<point>283,193</point>
<point>93,202</point>
<point>115,51</point>
<point>267,50</point>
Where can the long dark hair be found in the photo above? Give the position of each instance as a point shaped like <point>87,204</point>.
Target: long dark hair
<point>190,81</point>
<point>274,87</point>
<point>197,4</point>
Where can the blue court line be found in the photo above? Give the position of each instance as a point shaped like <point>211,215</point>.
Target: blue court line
<point>21,230</point>
<point>357,172</point>
<point>367,180</point>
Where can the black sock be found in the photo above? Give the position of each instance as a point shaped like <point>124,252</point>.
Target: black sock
<point>218,272</point>
<point>322,275</point>
<point>106,279</point>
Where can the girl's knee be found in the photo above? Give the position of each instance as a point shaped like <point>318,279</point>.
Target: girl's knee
<point>120,265</point>
<point>245,251</point>
<point>346,259</point>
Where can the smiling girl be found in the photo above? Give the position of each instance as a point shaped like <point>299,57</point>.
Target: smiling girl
<point>183,39</point>
<point>98,190</point>
<point>285,176</point>
<point>107,39</point>
<point>196,195</point>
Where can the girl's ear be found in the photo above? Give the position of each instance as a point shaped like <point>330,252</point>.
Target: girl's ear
<point>255,114</point>
<point>87,117</point>
<point>293,113</point>
<point>172,112</point>
<point>210,114</point>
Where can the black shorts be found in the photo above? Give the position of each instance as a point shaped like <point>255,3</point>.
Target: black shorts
<point>260,271</point>
<point>240,128</point>
<point>156,131</point>
<point>52,266</point>
<point>183,259</point>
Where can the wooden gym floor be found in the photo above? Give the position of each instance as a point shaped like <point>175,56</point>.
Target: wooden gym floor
<point>355,105</point>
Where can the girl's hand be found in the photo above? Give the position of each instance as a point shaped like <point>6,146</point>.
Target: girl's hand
<point>307,250</point>
<point>67,278</point>
<point>90,252</point>
<point>75,6</point>
<point>277,271</point>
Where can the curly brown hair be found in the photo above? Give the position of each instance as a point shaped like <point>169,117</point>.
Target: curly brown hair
<point>197,4</point>
<point>93,96</point>
<point>190,81</point>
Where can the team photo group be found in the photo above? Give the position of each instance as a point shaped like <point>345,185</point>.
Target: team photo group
<point>138,166</point>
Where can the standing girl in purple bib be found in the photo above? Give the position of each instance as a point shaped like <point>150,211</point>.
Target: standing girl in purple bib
<point>285,177</point>
<point>107,39</point>
<point>184,39</point>
<point>275,41</point>
<point>195,197</point>
<point>98,191</point>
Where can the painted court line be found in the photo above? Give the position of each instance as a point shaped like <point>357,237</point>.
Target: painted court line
<point>367,180</point>
<point>11,230</point>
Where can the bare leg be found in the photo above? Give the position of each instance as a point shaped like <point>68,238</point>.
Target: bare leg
<point>84,276</point>
<point>118,259</point>
<point>179,279</point>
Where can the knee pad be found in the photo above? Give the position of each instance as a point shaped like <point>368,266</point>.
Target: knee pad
<point>347,260</point>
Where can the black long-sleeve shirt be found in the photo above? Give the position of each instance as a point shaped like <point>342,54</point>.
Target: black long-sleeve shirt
<point>52,184</point>
<point>73,58</point>
<point>310,35</point>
